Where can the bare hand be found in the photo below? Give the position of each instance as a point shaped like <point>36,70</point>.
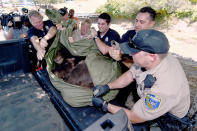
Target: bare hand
<point>92,34</point>
<point>10,23</point>
<point>115,53</point>
<point>70,39</point>
<point>59,26</point>
<point>43,43</point>
<point>40,53</point>
<point>23,36</point>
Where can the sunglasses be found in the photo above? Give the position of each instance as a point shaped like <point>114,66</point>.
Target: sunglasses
<point>132,45</point>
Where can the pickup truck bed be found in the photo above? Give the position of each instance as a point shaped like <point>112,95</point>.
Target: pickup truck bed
<point>25,106</point>
<point>79,118</point>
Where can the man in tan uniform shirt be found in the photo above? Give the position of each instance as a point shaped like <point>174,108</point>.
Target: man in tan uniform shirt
<point>161,81</point>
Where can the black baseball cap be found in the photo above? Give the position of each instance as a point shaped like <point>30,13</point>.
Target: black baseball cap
<point>63,11</point>
<point>148,40</point>
<point>24,10</point>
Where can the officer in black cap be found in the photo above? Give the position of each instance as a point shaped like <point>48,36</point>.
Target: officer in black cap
<point>161,83</point>
<point>65,17</point>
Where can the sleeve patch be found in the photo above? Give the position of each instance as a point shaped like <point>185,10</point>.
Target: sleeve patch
<point>152,102</point>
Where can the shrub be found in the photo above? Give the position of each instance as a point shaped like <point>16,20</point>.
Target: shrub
<point>193,1</point>
<point>184,13</point>
<point>164,8</point>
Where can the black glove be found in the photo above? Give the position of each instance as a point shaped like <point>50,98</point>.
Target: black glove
<point>100,103</point>
<point>100,90</point>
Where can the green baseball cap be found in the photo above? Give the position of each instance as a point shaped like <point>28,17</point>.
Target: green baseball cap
<point>148,40</point>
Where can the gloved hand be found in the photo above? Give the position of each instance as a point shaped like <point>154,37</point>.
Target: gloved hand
<point>100,103</point>
<point>100,90</point>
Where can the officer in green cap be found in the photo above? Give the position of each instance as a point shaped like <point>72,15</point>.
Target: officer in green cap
<point>161,82</point>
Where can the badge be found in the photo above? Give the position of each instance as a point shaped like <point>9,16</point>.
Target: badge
<point>47,28</point>
<point>152,102</point>
<point>106,39</point>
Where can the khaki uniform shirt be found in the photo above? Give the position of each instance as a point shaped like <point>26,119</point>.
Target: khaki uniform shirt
<point>169,93</point>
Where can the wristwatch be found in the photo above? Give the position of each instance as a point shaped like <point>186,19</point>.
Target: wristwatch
<point>123,58</point>
<point>95,37</point>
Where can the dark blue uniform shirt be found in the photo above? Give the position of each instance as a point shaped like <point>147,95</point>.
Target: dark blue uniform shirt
<point>127,35</point>
<point>41,33</point>
<point>109,36</point>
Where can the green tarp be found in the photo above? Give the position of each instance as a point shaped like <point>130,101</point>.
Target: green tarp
<point>102,69</point>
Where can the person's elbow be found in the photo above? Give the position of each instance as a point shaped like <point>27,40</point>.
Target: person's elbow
<point>134,118</point>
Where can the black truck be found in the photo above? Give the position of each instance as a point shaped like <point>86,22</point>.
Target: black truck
<point>19,84</point>
<point>24,105</point>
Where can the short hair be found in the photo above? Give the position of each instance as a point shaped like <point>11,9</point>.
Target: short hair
<point>87,21</point>
<point>34,13</point>
<point>151,11</point>
<point>105,16</point>
<point>71,10</point>
<point>63,11</point>
<point>162,56</point>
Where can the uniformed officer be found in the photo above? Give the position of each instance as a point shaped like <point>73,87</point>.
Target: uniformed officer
<point>41,34</point>
<point>105,34</point>
<point>145,19</point>
<point>161,82</point>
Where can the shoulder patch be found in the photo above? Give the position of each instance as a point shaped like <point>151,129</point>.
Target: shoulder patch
<point>152,102</point>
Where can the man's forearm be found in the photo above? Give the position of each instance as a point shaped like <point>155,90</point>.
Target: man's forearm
<point>51,33</point>
<point>9,35</point>
<point>132,116</point>
<point>124,80</point>
<point>128,63</point>
<point>36,43</point>
<point>102,46</point>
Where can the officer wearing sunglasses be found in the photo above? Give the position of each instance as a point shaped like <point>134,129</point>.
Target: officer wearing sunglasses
<point>161,82</point>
